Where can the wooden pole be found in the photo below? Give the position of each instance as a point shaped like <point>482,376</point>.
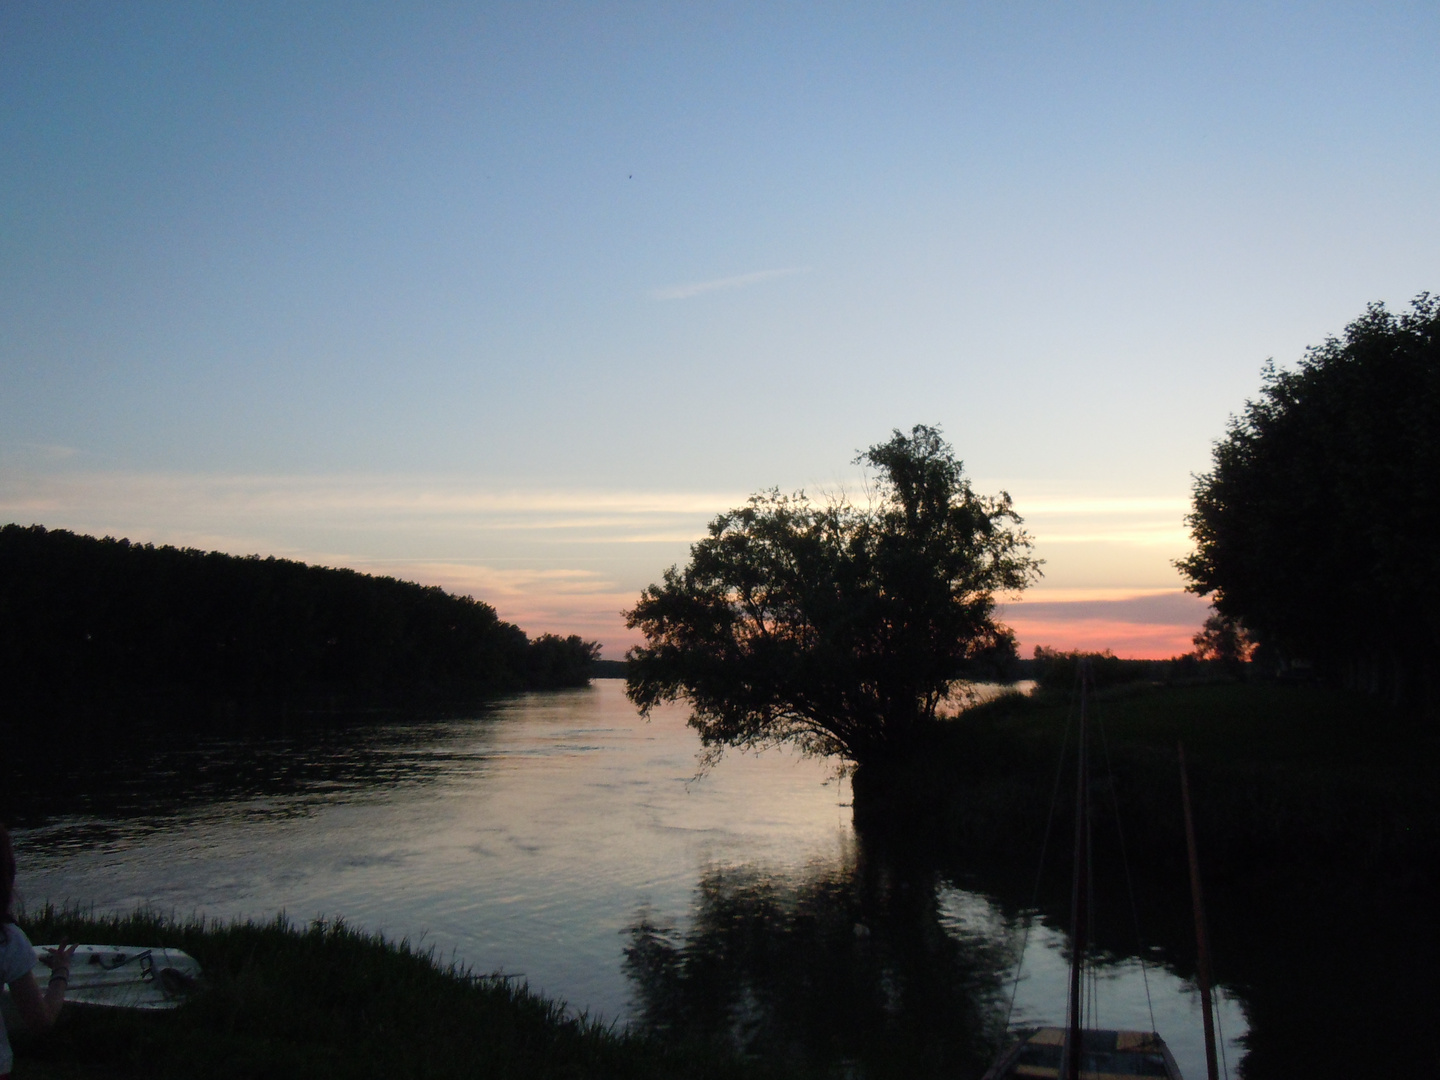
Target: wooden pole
<point>1079,890</point>
<point>1202,938</point>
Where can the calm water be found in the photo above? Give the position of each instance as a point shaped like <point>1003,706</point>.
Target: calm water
<point>561,838</point>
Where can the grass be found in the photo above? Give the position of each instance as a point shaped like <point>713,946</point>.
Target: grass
<point>1273,767</point>
<point>328,1001</point>
<point>1318,826</point>
<point>1316,813</point>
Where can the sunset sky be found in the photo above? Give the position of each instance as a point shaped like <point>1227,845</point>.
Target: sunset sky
<point>515,298</point>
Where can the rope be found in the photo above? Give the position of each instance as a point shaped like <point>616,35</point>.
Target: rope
<point>1092,920</point>
<point>1220,1037</point>
<point>1040,872</point>
<point>1093,1020</point>
<point>1125,862</point>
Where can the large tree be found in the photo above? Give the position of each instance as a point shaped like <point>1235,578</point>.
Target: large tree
<point>1318,528</point>
<point>838,627</point>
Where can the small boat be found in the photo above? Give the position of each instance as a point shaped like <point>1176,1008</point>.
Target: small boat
<point>1076,1052</point>
<point>1041,1053</point>
<point>126,976</point>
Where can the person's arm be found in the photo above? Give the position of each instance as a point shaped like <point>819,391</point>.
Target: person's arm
<point>40,1010</point>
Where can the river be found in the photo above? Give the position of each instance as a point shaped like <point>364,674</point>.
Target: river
<point>561,839</point>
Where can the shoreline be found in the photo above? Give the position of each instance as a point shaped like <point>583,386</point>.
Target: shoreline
<point>281,1000</point>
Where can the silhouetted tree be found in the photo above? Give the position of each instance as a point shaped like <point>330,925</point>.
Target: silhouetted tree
<point>554,661</point>
<point>1317,526</point>
<point>1059,671</point>
<point>836,627</point>
<point>1223,639</point>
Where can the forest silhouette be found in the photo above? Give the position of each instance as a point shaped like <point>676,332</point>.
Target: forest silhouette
<point>92,624</point>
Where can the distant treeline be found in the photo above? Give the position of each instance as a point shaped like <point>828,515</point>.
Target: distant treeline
<point>85,621</point>
<point>1059,671</point>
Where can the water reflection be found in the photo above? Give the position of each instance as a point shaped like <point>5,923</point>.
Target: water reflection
<point>848,964</point>
<point>521,840</point>
<point>560,836</point>
<point>156,776</point>
<point>877,965</point>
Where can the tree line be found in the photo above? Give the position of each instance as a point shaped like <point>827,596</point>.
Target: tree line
<point>87,620</point>
<point>845,628</point>
<point>1317,530</point>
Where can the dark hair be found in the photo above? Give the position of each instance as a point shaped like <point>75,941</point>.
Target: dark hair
<point>7,881</point>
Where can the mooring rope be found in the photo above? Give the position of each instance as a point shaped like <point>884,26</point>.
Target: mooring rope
<point>1088,949</point>
<point>1040,872</point>
<point>1220,1036</point>
<point>1125,862</point>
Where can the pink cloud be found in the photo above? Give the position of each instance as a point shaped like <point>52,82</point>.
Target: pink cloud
<point>1150,627</point>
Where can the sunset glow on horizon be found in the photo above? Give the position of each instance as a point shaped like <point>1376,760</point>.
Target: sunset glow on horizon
<point>571,561</point>
<point>514,300</point>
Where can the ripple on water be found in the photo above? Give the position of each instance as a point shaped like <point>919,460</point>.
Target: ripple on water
<point>562,836</point>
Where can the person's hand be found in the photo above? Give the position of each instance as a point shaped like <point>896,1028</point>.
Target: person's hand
<point>58,959</point>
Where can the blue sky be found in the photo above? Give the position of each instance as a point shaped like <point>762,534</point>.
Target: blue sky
<point>513,298</point>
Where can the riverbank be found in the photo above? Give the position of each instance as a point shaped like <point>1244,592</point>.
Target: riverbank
<point>1318,823</point>
<point>758,947</point>
<point>1299,770</point>
<point>328,1001</point>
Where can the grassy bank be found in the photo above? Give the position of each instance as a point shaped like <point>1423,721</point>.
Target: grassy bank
<point>328,1001</point>
<point>1318,822</point>
<point>1274,768</point>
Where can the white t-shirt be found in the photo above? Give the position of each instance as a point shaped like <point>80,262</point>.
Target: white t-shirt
<point>17,957</point>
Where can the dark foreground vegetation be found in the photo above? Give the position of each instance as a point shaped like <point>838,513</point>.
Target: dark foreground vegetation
<point>1318,821</point>
<point>1299,772</point>
<point>89,625</point>
<point>328,1001</point>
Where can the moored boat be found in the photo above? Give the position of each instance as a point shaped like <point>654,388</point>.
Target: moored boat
<point>1041,1053</point>
<point>125,976</point>
<point>1076,1052</point>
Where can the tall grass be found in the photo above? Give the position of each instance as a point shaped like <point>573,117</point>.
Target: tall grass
<point>326,1000</point>
<point>1296,769</point>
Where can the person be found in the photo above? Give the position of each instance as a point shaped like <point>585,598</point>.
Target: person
<point>17,961</point>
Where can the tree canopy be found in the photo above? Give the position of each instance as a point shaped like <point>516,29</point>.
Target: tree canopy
<point>837,627</point>
<point>1318,527</point>
<point>85,619</point>
<point>1224,641</point>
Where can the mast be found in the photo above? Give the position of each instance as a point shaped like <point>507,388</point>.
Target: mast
<point>1202,938</point>
<point>1079,890</point>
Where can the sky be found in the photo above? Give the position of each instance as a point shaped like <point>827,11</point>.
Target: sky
<point>514,298</point>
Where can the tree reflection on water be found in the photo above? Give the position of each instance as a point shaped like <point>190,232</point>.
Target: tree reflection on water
<point>844,967</point>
